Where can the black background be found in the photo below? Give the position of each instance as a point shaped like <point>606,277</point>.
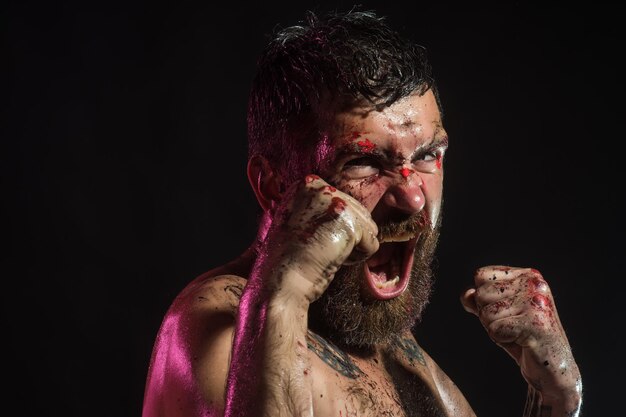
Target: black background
<point>123,173</point>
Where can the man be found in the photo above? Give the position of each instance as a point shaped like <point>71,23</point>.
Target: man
<point>315,319</point>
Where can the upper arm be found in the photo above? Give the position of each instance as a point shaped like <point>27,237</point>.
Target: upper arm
<point>212,318</point>
<point>451,396</point>
<point>191,357</point>
<point>210,355</point>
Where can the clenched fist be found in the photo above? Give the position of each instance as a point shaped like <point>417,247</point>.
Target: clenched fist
<point>316,229</point>
<point>516,307</point>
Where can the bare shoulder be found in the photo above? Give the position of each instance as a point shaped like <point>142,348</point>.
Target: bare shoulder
<point>212,295</point>
<point>191,356</point>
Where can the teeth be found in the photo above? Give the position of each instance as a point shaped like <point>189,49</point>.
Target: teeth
<point>388,283</point>
<point>400,238</point>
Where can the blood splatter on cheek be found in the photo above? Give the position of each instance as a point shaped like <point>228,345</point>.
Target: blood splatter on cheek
<point>438,161</point>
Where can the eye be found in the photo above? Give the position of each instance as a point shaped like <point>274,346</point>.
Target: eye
<point>360,168</point>
<point>428,161</point>
<point>429,156</point>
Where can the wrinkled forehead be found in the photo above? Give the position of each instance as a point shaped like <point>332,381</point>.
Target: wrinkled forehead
<point>409,114</point>
<point>416,116</point>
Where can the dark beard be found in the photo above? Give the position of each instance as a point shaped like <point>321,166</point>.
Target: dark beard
<point>345,316</point>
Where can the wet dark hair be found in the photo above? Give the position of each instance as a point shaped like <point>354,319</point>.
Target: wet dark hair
<point>349,58</point>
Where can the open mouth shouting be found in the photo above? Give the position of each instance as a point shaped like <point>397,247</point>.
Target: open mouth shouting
<point>388,271</point>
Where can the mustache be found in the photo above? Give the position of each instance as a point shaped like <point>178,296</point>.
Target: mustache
<point>415,223</point>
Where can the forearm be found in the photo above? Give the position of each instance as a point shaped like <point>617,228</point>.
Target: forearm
<point>269,365</point>
<point>538,405</point>
<point>554,381</point>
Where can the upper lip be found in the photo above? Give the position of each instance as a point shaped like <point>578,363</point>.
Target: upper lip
<point>402,237</point>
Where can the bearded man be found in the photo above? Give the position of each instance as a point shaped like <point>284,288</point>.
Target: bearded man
<point>346,159</point>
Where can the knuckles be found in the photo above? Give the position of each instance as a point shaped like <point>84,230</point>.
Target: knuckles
<point>314,211</point>
<point>508,291</point>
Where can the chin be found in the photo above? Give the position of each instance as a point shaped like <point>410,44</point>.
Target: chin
<point>349,315</point>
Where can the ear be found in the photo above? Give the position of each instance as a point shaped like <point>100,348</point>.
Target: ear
<point>265,181</point>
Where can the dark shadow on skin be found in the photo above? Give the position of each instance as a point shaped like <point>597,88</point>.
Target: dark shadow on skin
<point>416,398</point>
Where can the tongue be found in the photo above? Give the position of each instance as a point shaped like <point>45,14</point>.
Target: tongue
<point>386,271</point>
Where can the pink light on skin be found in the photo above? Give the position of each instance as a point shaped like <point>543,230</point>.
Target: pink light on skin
<point>253,317</point>
<point>323,150</point>
<point>171,357</point>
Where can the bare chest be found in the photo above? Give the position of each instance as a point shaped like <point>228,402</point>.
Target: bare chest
<point>379,385</point>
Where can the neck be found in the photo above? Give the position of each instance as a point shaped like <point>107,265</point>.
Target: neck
<point>264,226</point>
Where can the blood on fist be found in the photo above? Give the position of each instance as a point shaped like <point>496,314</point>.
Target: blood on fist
<point>516,307</point>
<point>316,229</point>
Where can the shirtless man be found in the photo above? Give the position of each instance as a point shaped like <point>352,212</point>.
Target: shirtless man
<point>316,317</point>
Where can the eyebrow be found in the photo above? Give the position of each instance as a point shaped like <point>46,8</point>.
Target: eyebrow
<point>349,149</point>
<point>436,143</point>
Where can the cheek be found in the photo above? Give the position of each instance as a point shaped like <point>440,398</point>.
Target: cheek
<point>367,192</point>
<point>432,187</point>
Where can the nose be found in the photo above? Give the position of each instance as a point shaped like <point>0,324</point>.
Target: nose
<point>406,193</point>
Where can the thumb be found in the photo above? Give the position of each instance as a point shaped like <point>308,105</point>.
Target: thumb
<point>468,300</point>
